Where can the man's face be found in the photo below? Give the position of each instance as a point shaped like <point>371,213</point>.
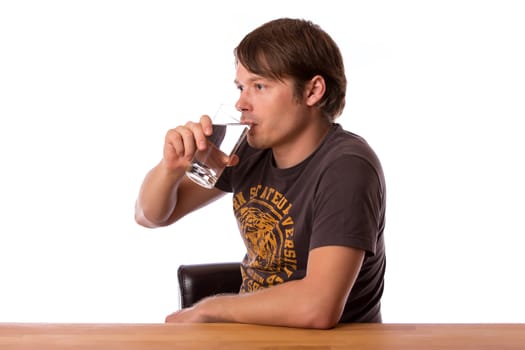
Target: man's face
<point>270,107</point>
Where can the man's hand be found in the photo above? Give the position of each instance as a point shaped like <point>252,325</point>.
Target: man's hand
<point>199,313</point>
<point>181,143</point>
<point>187,315</point>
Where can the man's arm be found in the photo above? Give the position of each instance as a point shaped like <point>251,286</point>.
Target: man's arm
<point>166,194</point>
<point>316,301</point>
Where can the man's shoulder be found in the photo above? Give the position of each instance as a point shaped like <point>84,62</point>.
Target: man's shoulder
<point>346,147</point>
<point>342,143</point>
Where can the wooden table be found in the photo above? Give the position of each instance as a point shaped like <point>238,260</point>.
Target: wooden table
<point>240,336</point>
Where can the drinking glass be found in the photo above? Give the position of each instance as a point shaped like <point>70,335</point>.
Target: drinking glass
<point>207,166</point>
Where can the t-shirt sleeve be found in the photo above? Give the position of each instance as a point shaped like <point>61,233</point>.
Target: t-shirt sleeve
<point>224,181</point>
<point>348,205</point>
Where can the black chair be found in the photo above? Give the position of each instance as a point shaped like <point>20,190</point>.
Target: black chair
<point>198,281</point>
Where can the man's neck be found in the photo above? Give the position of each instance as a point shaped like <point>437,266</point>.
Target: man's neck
<point>302,145</point>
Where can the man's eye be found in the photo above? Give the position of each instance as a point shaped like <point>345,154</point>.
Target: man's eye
<point>259,86</point>
<point>240,88</point>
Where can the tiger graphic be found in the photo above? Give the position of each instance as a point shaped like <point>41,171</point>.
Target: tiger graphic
<point>262,237</point>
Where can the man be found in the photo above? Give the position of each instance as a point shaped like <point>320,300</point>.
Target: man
<point>309,197</point>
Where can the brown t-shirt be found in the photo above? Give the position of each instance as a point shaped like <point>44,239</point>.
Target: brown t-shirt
<point>336,196</point>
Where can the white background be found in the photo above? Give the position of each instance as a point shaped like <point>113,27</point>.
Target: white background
<point>89,88</point>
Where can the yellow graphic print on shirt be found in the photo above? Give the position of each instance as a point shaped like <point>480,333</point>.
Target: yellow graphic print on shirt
<point>263,216</point>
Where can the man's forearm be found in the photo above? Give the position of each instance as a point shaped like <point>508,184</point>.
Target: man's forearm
<point>292,304</point>
<point>157,197</point>
<point>316,301</point>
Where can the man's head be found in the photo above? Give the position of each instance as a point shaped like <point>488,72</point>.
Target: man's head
<point>299,50</point>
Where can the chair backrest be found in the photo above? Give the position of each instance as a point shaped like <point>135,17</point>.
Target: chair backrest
<point>198,281</point>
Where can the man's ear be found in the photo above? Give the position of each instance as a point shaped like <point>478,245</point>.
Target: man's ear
<point>314,90</point>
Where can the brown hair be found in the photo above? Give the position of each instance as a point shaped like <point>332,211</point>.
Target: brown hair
<point>296,49</point>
